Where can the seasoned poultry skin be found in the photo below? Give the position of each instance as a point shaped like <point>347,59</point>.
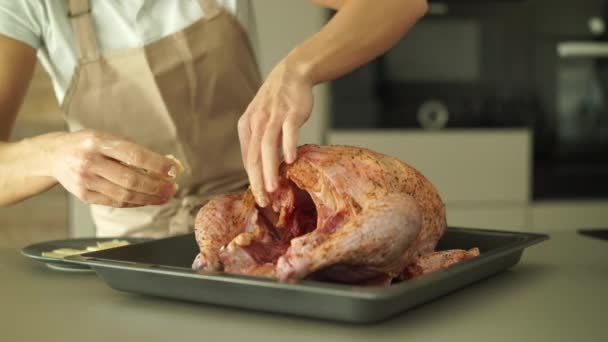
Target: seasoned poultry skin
<point>340,213</point>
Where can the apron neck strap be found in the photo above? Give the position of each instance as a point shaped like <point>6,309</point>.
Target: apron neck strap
<point>82,24</point>
<point>210,8</point>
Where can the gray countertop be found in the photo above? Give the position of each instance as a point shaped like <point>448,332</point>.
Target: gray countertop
<point>558,292</point>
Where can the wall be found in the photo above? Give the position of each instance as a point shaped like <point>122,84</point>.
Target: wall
<point>281,26</point>
<point>43,217</point>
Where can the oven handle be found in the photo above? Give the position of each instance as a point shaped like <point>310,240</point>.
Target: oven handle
<point>582,49</point>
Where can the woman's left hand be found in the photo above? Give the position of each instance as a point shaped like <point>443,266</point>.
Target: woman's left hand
<point>281,106</point>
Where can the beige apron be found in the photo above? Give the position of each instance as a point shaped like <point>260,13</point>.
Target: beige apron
<point>181,95</point>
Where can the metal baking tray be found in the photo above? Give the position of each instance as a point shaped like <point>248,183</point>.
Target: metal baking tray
<point>162,268</point>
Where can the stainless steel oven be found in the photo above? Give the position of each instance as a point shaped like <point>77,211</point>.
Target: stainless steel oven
<point>541,64</point>
<point>572,145</point>
<point>467,64</point>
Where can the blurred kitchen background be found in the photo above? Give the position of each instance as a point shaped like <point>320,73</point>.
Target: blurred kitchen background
<point>501,104</point>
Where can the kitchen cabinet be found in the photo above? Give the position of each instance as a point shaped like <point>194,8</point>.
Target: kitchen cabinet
<point>492,216</point>
<point>551,216</point>
<point>482,175</point>
<point>464,165</point>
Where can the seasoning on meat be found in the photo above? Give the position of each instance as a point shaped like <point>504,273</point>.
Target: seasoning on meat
<point>341,213</point>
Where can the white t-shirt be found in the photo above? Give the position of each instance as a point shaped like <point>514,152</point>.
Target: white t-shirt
<point>118,24</point>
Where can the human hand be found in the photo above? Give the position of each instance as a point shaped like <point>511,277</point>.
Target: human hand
<point>281,106</point>
<point>101,168</point>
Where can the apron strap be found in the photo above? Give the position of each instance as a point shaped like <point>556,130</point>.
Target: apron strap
<point>210,8</point>
<point>82,24</point>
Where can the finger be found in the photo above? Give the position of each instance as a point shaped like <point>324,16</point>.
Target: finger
<point>290,139</point>
<point>270,155</point>
<point>93,197</point>
<point>244,131</point>
<point>122,195</point>
<point>138,156</point>
<point>254,168</point>
<point>129,178</point>
<point>79,187</point>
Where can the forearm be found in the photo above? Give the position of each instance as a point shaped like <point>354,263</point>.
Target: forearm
<point>360,31</point>
<point>25,168</point>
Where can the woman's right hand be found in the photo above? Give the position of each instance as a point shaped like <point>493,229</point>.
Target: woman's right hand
<point>101,168</point>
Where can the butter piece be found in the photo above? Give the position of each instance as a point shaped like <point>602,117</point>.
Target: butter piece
<point>63,252</point>
<point>174,172</point>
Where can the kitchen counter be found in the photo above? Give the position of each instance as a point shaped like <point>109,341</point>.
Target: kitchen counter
<point>558,292</point>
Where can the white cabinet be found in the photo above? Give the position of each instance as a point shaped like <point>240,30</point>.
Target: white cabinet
<point>482,175</point>
<point>548,216</point>
<point>464,165</point>
<point>492,216</point>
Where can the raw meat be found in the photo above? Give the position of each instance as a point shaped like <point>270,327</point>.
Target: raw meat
<point>341,213</point>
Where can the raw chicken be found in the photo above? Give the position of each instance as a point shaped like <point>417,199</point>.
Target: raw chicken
<point>341,213</point>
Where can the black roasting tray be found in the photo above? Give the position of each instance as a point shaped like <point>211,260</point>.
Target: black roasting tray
<point>162,268</point>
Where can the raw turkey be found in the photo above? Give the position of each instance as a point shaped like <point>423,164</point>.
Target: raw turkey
<point>341,213</point>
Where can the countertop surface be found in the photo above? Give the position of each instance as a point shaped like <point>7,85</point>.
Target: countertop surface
<point>558,292</point>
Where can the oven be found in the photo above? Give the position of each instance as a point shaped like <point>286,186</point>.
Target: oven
<point>538,64</point>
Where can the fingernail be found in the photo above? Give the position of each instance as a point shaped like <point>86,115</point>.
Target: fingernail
<point>262,202</point>
<point>168,169</point>
<point>270,186</point>
<point>289,158</point>
<point>172,172</point>
<point>176,167</point>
